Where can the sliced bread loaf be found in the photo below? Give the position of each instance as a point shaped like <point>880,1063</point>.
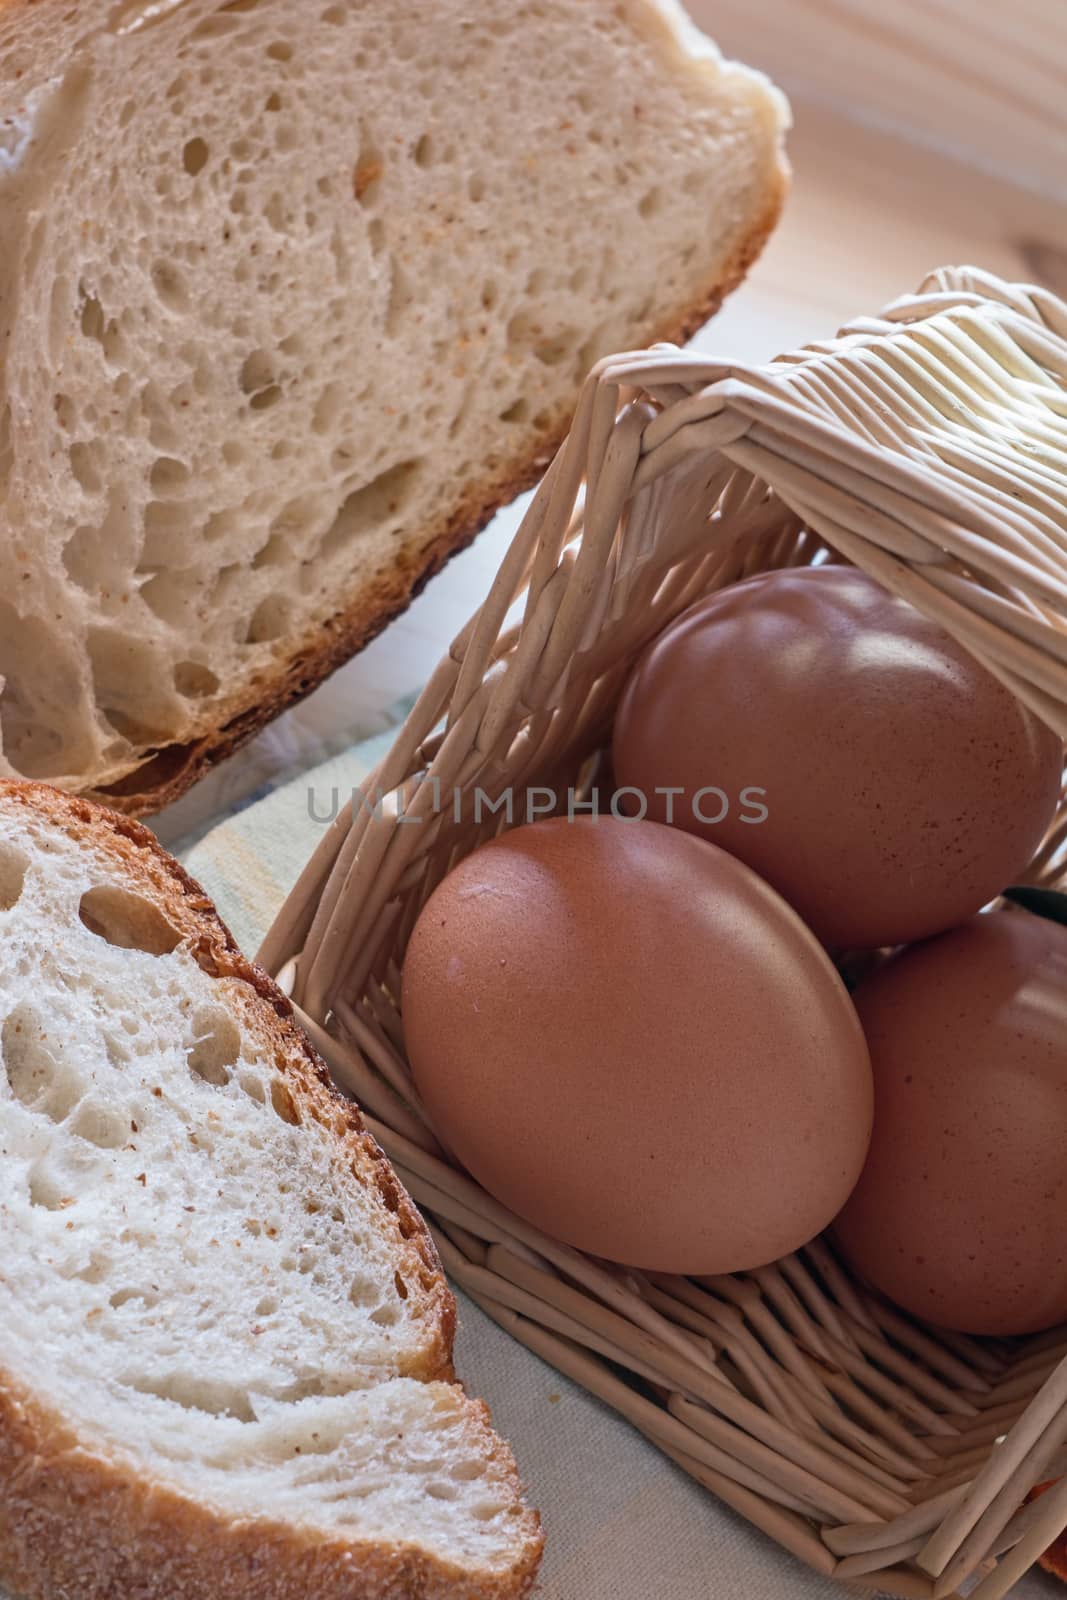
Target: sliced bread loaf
<point>294,293</point>
<point>225,1339</point>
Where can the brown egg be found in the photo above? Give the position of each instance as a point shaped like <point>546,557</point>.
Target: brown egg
<point>884,783</point>
<point>633,1043</point>
<point>959,1215</point>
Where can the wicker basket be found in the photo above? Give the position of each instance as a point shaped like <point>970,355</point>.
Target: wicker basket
<point>929,447</point>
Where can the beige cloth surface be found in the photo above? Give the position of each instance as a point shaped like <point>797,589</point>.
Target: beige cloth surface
<point>622,1522</point>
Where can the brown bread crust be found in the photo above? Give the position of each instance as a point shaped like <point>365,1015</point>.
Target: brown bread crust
<point>75,1525</point>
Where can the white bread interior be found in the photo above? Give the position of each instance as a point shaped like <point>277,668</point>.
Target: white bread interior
<point>213,1291</point>
<point>292,294</point>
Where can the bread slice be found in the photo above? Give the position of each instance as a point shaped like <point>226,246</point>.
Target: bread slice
<point>225,1338</point>
<point>295,293</point>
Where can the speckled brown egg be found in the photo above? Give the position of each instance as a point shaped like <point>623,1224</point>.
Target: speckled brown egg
<point>848,750</point>
<point>633,1043</point>
<point>959,1215</point>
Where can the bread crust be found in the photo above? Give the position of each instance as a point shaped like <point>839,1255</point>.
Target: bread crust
<point>78,1524</point>
<point>165,774</point>
<point>82,1526</point>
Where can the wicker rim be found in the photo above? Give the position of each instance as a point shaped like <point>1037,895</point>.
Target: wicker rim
<point>929,447</point>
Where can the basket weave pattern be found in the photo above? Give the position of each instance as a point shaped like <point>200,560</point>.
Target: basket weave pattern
<point>928,447</point>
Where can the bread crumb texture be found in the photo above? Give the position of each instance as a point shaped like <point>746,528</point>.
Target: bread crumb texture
<point>212,1290</point>
<point>291,296</point>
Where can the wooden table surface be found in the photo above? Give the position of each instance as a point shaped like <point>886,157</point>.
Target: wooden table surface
<point>974,76</point>
<point>868,216</point>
